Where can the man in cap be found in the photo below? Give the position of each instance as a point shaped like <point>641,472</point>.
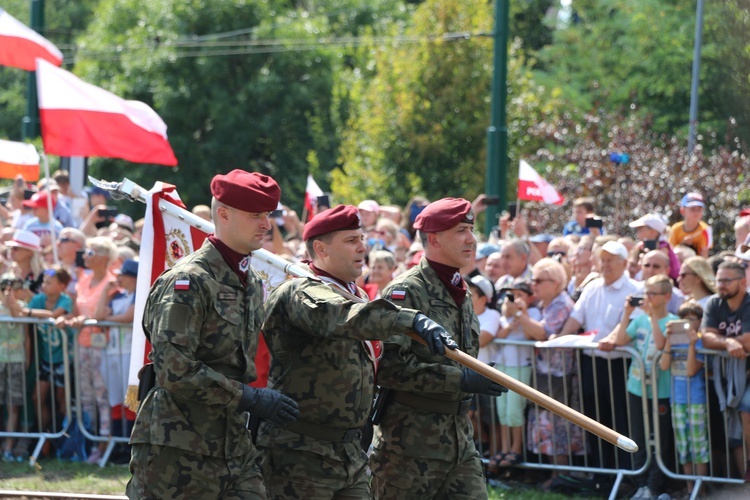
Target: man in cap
<point>202,317</point>
<point>692,231</point>
<point>600,309</point>
<point>321,357</point>
<point>423,444</point>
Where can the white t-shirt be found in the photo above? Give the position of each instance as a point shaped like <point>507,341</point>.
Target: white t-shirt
<point>514,355</point>
<point>489,321</point>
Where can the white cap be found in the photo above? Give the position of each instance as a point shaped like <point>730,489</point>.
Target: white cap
<point>615,248</point>
<point>484,285</point>
<point>370,206</point>
<point>654,221</point>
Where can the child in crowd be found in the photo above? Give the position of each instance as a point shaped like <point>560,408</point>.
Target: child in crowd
<point>514,361</point>
<point>645,333</point>
<point>692,231</point>
<point>53,303</point>
<point>117,304</point>
<point>14,357</point>
<point>482,294</point>
<point>688,398</point>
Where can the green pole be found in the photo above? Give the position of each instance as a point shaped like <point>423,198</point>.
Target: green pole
<point>496,181</point>
<point>30,122</point>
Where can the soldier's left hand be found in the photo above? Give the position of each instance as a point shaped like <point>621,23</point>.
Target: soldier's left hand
<point>434,335</point>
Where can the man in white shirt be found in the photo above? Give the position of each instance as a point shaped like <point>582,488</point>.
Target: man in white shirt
<point>600,309</point>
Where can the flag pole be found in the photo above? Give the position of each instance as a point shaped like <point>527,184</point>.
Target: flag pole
<point>131,190</point>
<point>50,209</point>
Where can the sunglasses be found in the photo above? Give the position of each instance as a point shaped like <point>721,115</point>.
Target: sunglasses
<point>682,275</point>
<point>725,281</point>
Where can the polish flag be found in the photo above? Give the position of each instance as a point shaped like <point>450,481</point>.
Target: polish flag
<point>80,119</point>
<point>20,45</point>
<point>18,158</point>
<point>312,191</point>
<point>532,187</point>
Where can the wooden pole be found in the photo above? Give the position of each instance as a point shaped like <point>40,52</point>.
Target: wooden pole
<point>539,398</point>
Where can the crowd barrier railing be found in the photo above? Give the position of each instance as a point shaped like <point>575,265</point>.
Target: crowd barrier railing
<point>53,373</point>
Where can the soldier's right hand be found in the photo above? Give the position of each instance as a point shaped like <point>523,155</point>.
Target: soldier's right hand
<point>434,335</point>
<point>270,405</point>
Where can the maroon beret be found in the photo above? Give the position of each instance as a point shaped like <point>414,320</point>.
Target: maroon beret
<point>335,219</point>
<point>444,214</point>
<point>246,191</point>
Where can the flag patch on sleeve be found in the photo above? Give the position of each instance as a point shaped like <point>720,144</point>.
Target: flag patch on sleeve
<point>182,285</point>
<point>398,294</point>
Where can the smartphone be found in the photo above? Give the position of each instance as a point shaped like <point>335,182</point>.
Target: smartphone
<point>510,297</point>
<point>277,213</point>
<point>108,213</point>
<point>596,222</point>
<point>512,210</point>
<point>679,325</point>
<point>491,200</point>
<point>635,301</point>
<point>79,259</point>
<point>649,244</point>
<point>324,201</point>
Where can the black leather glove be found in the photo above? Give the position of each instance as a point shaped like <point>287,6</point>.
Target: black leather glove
<point>435,335</point>
<point>269,405</point>
<point>475,383</point>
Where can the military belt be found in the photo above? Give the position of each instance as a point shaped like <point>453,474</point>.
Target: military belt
<point>432,405</point>
<point>324,433</point>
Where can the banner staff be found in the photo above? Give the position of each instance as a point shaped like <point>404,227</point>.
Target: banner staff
<point>129,190</point>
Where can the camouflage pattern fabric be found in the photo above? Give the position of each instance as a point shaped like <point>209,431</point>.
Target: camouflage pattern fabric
<point>418,452</point>
<point>204,327</point>
<point>175,473</point>
<point>317,358</point>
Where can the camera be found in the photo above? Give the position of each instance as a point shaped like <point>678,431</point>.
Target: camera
<point>11,283</point>
<point>491,200</point>
<point>323,201</point>
<point>512,210</point>
<point>594,222</point>
<point>679,325</point>
<point>108,213</point>
<point>510,297</point>
<point>635,301</point>
<point>649,244</point>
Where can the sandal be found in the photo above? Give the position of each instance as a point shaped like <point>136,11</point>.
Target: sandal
<point>494,463</point>
<point>510,459</point>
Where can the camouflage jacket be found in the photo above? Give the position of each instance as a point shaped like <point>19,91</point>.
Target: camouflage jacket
<point>204,327</point>
<point>317,358</point>
<point>408,366</point>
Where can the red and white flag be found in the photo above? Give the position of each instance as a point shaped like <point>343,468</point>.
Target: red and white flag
<point>165,240</point>
<point>18,158</point>
<point>532,187</point>
<point>20,45</point>
<point>312,191</point>
<point>80,119</point>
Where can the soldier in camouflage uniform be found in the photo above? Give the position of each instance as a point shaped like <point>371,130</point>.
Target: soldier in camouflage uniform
<point>320,357</point>
<point>423,444</point>
<point>202,316</point>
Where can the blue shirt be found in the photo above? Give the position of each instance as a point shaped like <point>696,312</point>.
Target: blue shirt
<point>50,339</point>
<point>680,386</point>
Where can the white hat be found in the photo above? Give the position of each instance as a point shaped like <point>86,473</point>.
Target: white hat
<point>370,206</point>
<point>615,248</point>
<point>484,285</point>
<point>25,239</point>
<point>654,221</point>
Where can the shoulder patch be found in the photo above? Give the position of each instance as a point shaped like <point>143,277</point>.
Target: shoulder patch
<point>182,284</point>
<point>398,294</point>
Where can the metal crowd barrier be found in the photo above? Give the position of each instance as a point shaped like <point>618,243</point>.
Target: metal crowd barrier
<point>40,418</point>
<point>579,462</point>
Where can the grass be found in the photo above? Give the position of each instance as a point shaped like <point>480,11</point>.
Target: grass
<point>64,477</point>
<point>67,477</point>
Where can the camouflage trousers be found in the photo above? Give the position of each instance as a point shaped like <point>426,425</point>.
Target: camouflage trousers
<point>305,475</point>
<point>166,472</point>
<point>396,477</point>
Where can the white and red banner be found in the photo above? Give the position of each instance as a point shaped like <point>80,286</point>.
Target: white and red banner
<point>165,240</point>
<point>80,119</point>
<point>20,45</point>
<point>312,191</point>
<point>18,158</point>
<point>532,187</point>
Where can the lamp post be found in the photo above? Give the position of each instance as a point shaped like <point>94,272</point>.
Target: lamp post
<point>30,122</point>
<point>696,76</point>
<point>497,133</point>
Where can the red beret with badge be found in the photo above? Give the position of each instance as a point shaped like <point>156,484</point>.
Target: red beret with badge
<point>246,191</point>
<point>340,218</point>
<point>442,215</point>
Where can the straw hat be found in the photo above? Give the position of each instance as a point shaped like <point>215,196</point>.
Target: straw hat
<point>702,268</point>
<point>25,239</point>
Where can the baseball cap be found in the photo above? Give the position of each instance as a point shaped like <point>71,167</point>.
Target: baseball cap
<point>129,268</point>
<point>519,284</point>
<point>654,221</point>
<point>692,200</point>
<point>485,250</point>
<point>484,285</point>
<point>369,206</point>
<point>615,248</point>
<point>541,238</point>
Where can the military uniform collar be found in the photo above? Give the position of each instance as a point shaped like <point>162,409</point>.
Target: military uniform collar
<point>435,288</point>
<point>219,267</point>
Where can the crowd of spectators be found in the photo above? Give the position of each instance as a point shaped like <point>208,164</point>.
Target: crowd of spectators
<point>621,285</point>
